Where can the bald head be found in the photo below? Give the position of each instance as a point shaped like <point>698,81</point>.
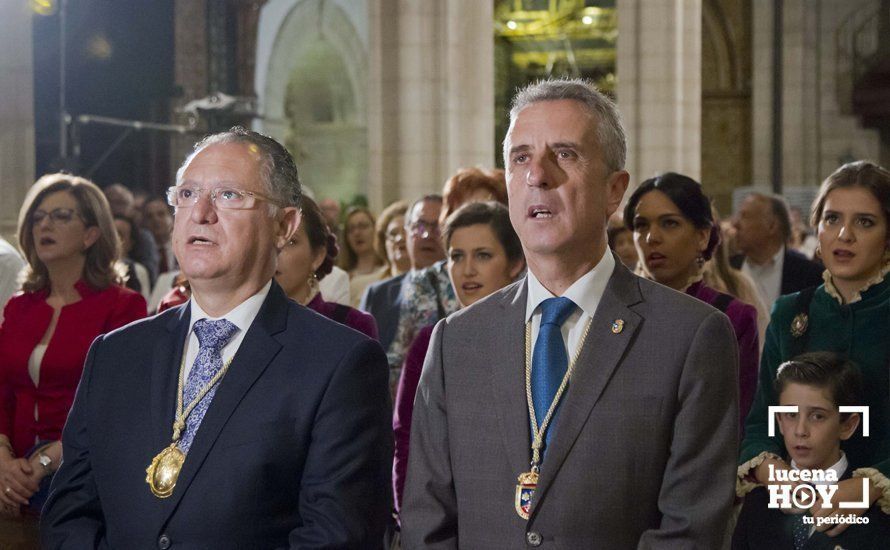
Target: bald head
<point>762,225</point>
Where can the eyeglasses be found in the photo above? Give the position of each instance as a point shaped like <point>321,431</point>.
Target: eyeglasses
<point>61,216</point>
<point>424,229</point>
<point>228,198</point>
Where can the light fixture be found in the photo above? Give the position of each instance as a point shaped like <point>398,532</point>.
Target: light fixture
<point>512,25</point>
<point>587,20</point>
<point>43,7</point>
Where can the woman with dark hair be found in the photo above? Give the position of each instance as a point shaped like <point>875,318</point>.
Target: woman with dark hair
<point>847,314</point>
<point>484,255</point>
<point>137,275</point>
<point>306,259</point>
<point>675,234</point>
<point>359,258</point>
<point>71,294</point>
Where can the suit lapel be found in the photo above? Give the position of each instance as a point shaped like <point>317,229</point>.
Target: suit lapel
<point>787,274</point>
<point>508,380</point>
<point>166,360</point>
<point>391,306</point>
<point>257,350</point>
<point>600,356</point>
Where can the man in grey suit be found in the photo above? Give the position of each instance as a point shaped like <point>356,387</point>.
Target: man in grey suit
<point>582,407</point>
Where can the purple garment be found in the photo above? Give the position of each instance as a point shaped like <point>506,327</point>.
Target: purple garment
<point>404,406</point>
<point>355,319</point>
<point>744,322</point>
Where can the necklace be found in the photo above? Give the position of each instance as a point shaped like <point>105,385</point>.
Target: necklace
<point>528,481</point>
<point>162,473</point>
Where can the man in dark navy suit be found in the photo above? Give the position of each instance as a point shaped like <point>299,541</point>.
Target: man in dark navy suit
<point>240,419</point>
<point>763,227</point>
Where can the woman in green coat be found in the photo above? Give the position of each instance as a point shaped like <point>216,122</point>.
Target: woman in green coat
<point>848,314</point>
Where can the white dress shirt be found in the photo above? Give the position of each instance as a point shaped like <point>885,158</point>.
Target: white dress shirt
<point>335,287</point>
<point>586,292</point>
<point>767,277</point>
<point>11,265</point>
<point>241,316</point>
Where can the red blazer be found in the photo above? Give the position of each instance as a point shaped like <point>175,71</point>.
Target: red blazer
<point>26,318</point>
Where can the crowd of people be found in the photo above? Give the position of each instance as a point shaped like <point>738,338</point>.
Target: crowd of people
<point>531,353</point>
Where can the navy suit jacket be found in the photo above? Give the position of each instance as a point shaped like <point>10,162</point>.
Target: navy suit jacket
<point>798,272</point>
<point>294,451</point>
<point>383,300</point>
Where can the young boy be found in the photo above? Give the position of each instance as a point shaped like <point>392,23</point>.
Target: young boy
<point>817,383</point>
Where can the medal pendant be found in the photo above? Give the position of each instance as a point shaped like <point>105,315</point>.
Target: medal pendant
<point>528,482</point>
<point>162,473</point>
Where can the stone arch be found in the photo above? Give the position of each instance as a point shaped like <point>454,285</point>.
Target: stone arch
<point>314,97</point>
<point>718,49</point>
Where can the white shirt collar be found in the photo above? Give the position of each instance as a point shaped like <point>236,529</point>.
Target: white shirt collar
<point>241,316</point>
<point>774,261</point>
<point>586,292</point>
<point>838,467</point>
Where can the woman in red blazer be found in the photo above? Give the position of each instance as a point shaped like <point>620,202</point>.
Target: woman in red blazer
<point>71,294</point>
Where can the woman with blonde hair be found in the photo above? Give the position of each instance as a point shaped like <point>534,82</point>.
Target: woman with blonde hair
<point>360,259</point>
<point>389,239</point>
<point>71,294</point>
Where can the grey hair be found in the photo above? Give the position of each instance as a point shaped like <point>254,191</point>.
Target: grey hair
<point>609,131</point>
<point>278,170</point>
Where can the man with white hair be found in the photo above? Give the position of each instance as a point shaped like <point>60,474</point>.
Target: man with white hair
<point>239,419</point>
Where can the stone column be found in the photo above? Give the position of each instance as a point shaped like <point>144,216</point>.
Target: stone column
<point>659,85</point>
<point>16,112</point>
<point>818,131</point>
<point>431,94</point>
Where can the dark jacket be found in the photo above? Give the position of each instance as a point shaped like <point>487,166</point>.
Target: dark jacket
<point>294,451</point>
<point>798,272</point>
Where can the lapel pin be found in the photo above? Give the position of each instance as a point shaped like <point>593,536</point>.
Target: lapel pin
<point>617,326</point>
<point>799,325</point>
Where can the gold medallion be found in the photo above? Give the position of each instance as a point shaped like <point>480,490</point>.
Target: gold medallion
<point>799,325</point>
<point>164,470</point>
<point>528,482</point>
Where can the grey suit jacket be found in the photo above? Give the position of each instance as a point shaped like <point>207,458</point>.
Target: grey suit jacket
<point>643,453</point>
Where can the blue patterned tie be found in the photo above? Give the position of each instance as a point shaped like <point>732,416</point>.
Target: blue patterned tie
<point>212,337</point>
<point>550,360</point>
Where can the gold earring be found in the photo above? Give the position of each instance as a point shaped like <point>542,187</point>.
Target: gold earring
<point>313,283</point>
